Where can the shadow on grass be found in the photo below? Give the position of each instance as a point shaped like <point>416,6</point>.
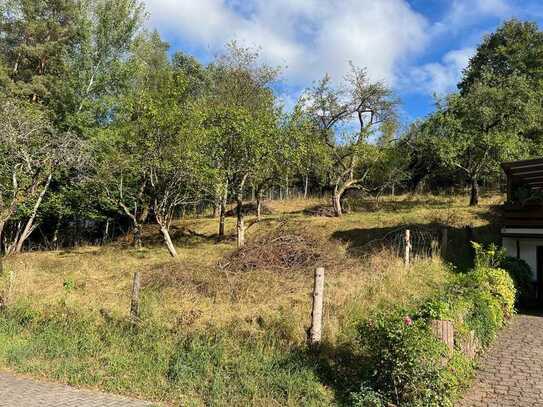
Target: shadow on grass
<point>361,242</point>
<point>339,368</point>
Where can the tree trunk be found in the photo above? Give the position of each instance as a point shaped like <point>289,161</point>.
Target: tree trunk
<point>259,205</point>
<point>138,244</point>
<point>2,223</point>
<point>306,186</point>
<point>222,217</point>
<point>29,227</point>
<point>336,202</point>
<point>54,243</point>
<point>240,227</point>
<point>144,214</point>
<point>286,187</point>
<point>106,232</point>
<point>339,188</point>
<point>216,209</point>
<point>168,241</point>
<point>222,211</point>
<point>474,196</point>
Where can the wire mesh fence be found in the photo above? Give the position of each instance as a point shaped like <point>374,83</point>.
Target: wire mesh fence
<point>424,242</point>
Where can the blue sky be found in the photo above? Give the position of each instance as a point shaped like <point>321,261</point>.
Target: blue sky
<point>418,47</point>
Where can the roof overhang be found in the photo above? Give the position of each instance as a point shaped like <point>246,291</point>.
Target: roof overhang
<point>522,232</point>
<point>528,172</point>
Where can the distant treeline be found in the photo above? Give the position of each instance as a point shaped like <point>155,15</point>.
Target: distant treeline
<point>102,131</point>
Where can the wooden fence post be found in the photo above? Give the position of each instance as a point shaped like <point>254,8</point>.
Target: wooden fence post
<point>444,331</point>
<point>407,255</point>
<point>135,301</point>
<point>315,333</point>
<point>444,240</point>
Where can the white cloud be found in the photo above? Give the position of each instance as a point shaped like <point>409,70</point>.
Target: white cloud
<point>439,77</point>
<point>462,13</point>
<point>310,37</point>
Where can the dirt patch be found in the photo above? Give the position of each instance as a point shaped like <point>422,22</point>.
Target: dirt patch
<point>282,248</point>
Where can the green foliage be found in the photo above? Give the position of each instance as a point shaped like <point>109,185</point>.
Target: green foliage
<point>212,367</point>
<point>367,397</point>
<point>490,256</point>
<point>410,366</point>
<point>521,274</point>
<point>516,47</point>
<point>406,358</point>
<point>499,284</point>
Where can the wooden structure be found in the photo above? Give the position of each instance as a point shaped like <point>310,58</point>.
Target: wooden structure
<point>527,177</point>
<point>444,331</point>
<point>522,231</point>
<point>315,331</point>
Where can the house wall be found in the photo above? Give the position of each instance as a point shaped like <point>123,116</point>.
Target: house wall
<point>528,250</point>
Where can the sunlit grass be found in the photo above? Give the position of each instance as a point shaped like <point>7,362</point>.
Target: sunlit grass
<point>211,337</point>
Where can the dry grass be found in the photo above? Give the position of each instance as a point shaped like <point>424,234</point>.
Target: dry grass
<point>191,289</point>
<point>214,335</point>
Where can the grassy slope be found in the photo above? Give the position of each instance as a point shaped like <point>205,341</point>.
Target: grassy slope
<point>211,337</point>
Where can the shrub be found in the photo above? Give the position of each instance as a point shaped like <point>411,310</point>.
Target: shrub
<point>490,256</point>
<point>367,397</point>
<point>521,274</point>
<point>498,283</point>
<point>486,316</point>
<point>413,368</point>
<point>409,363</point>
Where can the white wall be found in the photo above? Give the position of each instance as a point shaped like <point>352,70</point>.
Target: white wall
<point>528,250</point>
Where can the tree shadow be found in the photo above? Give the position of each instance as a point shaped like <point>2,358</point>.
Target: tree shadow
<point>374,205</point>
<point>364,241</point>
<point>340,368</point>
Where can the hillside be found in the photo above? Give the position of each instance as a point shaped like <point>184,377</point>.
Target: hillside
<point>221,327</point>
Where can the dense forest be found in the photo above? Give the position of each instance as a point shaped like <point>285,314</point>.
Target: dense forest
<point>103,130</point>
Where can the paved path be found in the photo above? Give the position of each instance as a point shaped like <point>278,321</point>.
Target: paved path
<point>511,372</point>
<point>19,392</point>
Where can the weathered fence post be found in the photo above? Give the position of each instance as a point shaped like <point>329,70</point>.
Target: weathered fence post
<point>444,331</point>
<point>9,294</point>
<point>135,301</point>
<point>444,240</point>
<point>315,333</point>
<point>407,255</point>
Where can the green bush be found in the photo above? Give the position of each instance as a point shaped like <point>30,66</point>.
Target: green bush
<point>521,274</point>
<point>499,284</point>
<point>367,397</point>
<point>486,316</point>
<point>489,256</point>
<point>410,366</point>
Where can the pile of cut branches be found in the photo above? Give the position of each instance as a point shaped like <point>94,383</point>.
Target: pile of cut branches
<point>281,249</point>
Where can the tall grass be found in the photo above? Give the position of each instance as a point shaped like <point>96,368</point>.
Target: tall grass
<point>210,337</point>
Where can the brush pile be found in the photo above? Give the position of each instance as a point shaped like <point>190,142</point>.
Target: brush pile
<point>320,210</point>
<point>281,249</point>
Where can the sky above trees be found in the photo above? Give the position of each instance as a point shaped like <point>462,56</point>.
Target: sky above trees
<point>419,47</point>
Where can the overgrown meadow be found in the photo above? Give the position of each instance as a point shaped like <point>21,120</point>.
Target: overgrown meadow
<point>217,328</point>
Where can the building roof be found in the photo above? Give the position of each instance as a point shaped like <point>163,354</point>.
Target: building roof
<point>528,172</point>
